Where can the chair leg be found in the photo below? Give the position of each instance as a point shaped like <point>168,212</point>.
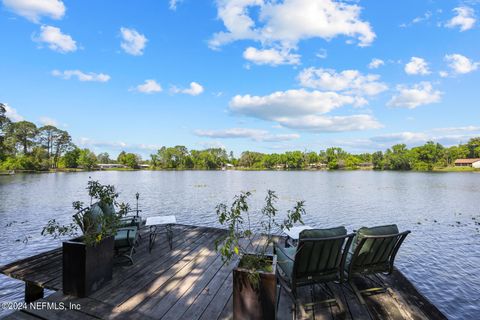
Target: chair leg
<point>278,296</point>
<point>357,292</point>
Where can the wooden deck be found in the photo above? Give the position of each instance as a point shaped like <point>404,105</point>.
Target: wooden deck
<point>191,282</point>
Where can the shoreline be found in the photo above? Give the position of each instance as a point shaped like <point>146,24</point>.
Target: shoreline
<point>75,170</point>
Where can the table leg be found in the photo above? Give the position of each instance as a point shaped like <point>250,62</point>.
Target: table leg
<point>153,235</point>
<point>169,234</point>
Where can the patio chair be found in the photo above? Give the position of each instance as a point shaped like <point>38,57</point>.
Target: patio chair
<point>128,220</point>
<point>125,242</point>
<point>317,259</point>
<point>373,251</point>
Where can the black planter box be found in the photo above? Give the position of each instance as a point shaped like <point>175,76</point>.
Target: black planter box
<point>86,268</point>
<point>254,303</point>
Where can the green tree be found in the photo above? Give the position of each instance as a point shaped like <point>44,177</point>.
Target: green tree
<point>250,159</point>
<point>22,134</point>
<point>4,122</point>
<point>473,146</point>
<point>131,160</point>
<point>87,159</point>
<point>70,159</point>
<point>377,160</point>
<point>104,157</point>
<point>398,158</point>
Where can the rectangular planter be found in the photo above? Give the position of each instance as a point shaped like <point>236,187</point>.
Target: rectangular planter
<point>251,302</point>
<point>86,268</point>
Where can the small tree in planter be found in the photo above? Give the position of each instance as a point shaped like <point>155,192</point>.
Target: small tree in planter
<point>88,260</point>
<point>254,282</point>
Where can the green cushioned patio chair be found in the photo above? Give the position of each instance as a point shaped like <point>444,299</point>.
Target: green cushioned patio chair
<point>317,259</point>
<point>125,242</point>
<point>126,221</point>
<point>373,251</point>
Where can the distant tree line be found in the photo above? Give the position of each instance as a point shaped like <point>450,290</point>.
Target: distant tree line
<point>24,146</point>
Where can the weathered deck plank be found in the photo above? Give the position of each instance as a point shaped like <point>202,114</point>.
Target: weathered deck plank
<point>192,282</point>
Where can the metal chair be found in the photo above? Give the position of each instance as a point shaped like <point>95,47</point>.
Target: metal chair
<point>319,258</point>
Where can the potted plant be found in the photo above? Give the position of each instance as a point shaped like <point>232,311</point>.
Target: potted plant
<point>88,259</point>
<point>254,277</point>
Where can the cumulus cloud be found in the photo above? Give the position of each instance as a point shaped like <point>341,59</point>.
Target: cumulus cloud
<point>291,21</point>
<point>271,57</point>
<point>47,121</point>
<point>149,86</point>
<point>289,103</point>
<point>376,63</point>
<point>426,16</point>
<point>464,18</point>
<point>284,24</point>
<point>320,123</point>
<point>172,4</point>
<point>446,136</point>
<point>133,42</point>
<point>322,54</point>
<point>417,66</point>
<point>302,109</point>
<point>461,64</point>
<point>194,90</point>
<point>348,81</point>
<point>12,113</point>
<point>411,97</point>
<point>81,76</point>
<point>33,10</point>
<point>252,134</point>
<point>56,40</point>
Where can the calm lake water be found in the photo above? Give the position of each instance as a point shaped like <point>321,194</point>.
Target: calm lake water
<point>441,256</point>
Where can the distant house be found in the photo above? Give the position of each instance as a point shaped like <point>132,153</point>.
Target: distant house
<point>317,165</point>
<point>144,166</point>
<point>365,164</point>
<point>474,162</point>
<point>110,165</point>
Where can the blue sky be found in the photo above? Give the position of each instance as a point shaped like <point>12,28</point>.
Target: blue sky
<point>256,75</point>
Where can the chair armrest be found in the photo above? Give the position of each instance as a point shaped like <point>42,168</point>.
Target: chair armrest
<point>284,253</point>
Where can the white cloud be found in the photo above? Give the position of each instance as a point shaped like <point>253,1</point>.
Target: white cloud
<point>443,74</point>
<point>149,86</point>
<point>81,76</point>
<point>194,90</point>
<point>47,121</point>
<point>461,64</point>
<point>445,136</point>
<point>290,103</point>
<point>56,40</point>
<point>33,10</point>
<point>453,130</point>
<point>302,109</point>
<point>414,96</point>
<point>348,81</point>
<point>318,123</point>
<point>284,24</point>
<point>404,137</point>
<point>133,42</point>
<point>271,57</point>
<point>322,54</point>
<point>12,113</point>
<point>464,18</point>
<point>253,134</point>
<point>172,4</point>
<point>417,66</point>
<point>419,19</point>
<point>376,63</point>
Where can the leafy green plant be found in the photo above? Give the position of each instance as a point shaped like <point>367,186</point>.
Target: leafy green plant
<point>94,227</point>
<point>237,219</point>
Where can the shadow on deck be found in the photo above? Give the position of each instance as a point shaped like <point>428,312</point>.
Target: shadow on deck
<point>191,282</point>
